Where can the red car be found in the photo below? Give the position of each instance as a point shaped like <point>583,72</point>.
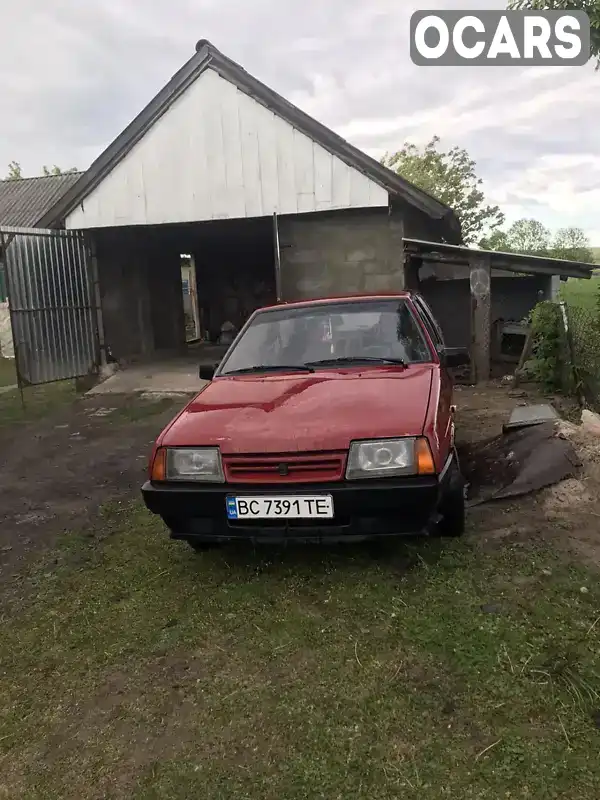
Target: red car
<point>326,419</point>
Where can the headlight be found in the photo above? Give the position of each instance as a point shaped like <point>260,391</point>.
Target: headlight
<point>388,457</point>
<point>194,464</point>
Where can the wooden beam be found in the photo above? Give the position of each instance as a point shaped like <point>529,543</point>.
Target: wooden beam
<point>525,353</point>
<point>481,296</point>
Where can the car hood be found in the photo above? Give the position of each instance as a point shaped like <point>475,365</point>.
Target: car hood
<point>304,412</point>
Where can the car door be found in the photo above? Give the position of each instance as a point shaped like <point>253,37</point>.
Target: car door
<point>445,407</point>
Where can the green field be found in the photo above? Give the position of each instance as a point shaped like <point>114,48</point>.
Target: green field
<point>596,252</point>
<point>582,298</point>
<point>582,293</point>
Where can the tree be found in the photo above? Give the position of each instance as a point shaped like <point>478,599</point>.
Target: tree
<point>57,170</point>
<point>497,240</point>
<point>530,237</point>
<point>14,171</point>
<point>592,7</point>
<point>571,244</point>
<point>524,236</point>
<point>450,177</point>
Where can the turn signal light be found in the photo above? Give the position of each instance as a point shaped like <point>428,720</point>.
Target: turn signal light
<point>159,466</point>
<point>424,458</point>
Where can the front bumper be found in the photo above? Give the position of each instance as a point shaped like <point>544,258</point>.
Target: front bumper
<point>362,509</point>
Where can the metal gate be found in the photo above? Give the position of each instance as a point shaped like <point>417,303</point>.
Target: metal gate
<point>51,300</point>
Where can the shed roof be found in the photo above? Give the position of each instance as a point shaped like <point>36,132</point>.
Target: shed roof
<point>511,262</point>
<point>208,57</point>
<point>24,201</point>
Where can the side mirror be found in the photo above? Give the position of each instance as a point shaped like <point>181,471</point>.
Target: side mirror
<point>206,372</point>
<point>454,357</point>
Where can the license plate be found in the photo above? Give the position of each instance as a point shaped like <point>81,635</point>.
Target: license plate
<point>281,507</point>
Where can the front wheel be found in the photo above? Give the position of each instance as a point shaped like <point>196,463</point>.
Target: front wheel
<point>199,546</point>
<point>452,508</point>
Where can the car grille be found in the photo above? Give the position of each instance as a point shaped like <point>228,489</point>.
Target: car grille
<point>285,468</point>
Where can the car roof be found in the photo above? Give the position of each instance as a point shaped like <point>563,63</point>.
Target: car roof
<point>321,301</point>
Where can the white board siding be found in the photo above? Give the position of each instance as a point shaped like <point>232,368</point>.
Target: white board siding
<point>217,154</point>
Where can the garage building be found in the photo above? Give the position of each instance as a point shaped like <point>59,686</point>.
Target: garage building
<point>224,182</point>
<point>266,200</point>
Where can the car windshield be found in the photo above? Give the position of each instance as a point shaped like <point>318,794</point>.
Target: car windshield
<point>323,334</point>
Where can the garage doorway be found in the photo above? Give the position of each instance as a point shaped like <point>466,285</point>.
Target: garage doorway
<point>235,272</point>
<point>191,309</point>
<point>167,290</point>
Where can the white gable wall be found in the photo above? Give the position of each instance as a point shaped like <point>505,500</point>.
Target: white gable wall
<point>218,154</point>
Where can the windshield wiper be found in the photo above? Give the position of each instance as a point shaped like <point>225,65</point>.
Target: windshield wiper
<point>357,360</point>
<point>270,368</point>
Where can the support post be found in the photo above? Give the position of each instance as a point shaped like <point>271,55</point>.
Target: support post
<point>277,254</point>
<point>481,296</point>
<point>577,382</point>
<point>97,299</point>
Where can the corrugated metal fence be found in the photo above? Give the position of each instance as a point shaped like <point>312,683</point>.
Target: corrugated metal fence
<point>51,297</point>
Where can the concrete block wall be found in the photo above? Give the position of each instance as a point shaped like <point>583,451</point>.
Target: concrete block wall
<point>341,254</point>
<point>141,297</point>
<point>450,301</point>
<point>119,291</point>
<point>6,342</point>
<point>512,299</point>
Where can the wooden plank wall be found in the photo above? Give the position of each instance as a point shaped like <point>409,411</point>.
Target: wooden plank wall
<point>218,154</point>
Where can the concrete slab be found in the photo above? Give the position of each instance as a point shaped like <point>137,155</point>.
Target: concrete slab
<point>166,377</point>
<point>524,416</point>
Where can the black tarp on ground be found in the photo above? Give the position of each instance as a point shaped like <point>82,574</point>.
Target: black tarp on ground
<point>517,463</point>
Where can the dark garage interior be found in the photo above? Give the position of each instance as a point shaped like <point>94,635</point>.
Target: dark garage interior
<point>139,275</point>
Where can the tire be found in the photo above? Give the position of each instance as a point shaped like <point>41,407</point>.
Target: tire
<point>179,529</point>
<point>198,546</point>
<point>452,508</point>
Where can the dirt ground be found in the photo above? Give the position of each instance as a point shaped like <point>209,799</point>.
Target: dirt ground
<point>568,514</point>
<point>55,472</point>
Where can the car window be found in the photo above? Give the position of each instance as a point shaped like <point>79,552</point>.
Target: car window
<point>429,320</point>
<point>295,336</point>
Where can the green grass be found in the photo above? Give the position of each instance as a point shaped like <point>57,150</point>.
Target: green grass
<point>131,668</point>
<point>38,402</point>
<point>583,293</point>
<point>135,409</point>
<point>583,301</point>
<point>7,372</point>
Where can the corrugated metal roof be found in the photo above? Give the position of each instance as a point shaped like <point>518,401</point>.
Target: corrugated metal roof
<point>24,202</point>
<point>510,262</point>
<point>207,56</point>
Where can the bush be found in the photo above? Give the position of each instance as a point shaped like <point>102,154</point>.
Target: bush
<point>570,364</point>
<point>585,334</point>
<point>544,366</point>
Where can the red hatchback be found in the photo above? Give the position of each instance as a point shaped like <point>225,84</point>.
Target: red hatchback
<point>328,419</point>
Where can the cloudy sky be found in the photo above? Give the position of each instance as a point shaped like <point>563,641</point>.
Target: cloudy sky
<point>73,74</point>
